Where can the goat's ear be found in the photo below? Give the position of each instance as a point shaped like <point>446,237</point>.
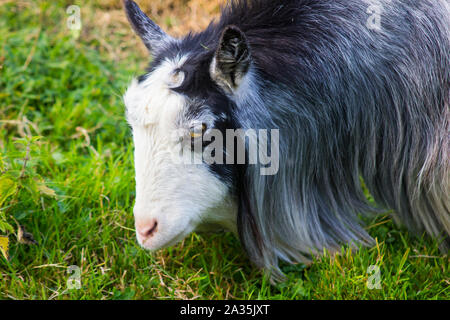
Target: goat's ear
<point>232,59</point>
<point>150,33</point>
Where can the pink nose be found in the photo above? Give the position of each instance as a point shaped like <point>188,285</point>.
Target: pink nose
<point>146,229</point>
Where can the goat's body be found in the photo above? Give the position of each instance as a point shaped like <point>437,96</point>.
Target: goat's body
<point>349,102</point>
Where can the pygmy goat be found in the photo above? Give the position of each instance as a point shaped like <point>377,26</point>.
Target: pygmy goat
<point>343,93</point>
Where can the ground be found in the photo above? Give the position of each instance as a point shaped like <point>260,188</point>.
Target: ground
<point>66,176</point>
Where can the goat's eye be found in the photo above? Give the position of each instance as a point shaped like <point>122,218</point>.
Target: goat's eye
<point>198,130</point>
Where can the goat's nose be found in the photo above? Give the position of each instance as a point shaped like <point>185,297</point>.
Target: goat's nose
<point>146,229</point>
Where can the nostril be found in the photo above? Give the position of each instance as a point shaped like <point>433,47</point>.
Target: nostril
<point>148,230</point>
<point>153,228</point>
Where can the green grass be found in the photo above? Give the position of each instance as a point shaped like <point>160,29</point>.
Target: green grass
<point>66,174</point>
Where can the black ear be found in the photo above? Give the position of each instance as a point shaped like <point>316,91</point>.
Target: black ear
<point>232,59</point>
<point>150,33</point>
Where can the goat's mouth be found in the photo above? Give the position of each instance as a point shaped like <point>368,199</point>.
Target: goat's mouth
<point>161,241</point>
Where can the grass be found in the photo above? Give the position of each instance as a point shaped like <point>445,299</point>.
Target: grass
<point>66,175</point>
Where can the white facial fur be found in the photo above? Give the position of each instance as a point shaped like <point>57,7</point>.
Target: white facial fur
<point>180,197</point>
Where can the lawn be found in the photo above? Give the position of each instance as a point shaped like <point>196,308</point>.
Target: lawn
<point>66,176</point>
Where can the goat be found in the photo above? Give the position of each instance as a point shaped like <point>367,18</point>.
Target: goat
<point>345,93</point>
